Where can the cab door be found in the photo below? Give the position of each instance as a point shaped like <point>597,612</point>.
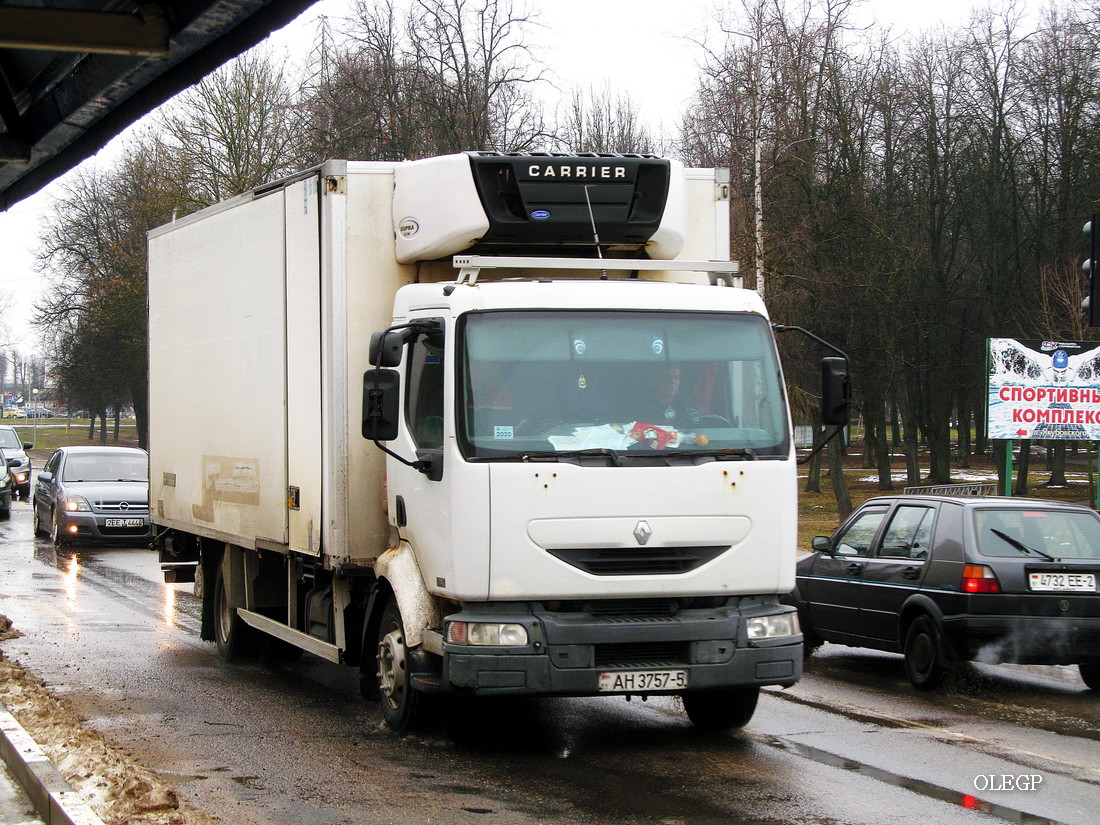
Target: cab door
<point>833,586</point>
<point>895,569</point>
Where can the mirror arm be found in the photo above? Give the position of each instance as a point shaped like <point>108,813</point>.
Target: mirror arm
<point>836,431</point>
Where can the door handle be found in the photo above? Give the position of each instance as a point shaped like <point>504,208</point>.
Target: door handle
<point>854,569</point>
<point>911,573</point>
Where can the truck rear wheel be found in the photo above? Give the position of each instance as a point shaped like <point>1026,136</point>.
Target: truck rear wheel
<point>403,708</point>
<point>235,639</point>
<point>718,710</point>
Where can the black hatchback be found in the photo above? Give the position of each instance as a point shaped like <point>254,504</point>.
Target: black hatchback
<point>945,579</point>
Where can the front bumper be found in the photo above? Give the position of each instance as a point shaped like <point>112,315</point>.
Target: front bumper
<point>567,651</point>
<point>91,526</point>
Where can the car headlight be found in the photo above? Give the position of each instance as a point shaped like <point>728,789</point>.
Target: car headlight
<point>486,633</point>
<point>75,503</point>
<point>20,478</point>
<point>771,627</point>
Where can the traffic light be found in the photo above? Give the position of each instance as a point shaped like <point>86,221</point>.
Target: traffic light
<point>1091,268</point>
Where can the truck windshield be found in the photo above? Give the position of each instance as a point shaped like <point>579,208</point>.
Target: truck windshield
<point>549,383</point>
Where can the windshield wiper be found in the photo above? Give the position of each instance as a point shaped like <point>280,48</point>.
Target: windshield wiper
<point>732,452</point>
<point>601,452</point>
<point>1019,545</point>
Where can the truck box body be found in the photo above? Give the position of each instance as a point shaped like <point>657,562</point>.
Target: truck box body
<point>261,315</point>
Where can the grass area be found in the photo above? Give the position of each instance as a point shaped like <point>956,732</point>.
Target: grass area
<point>51,433</point>
<point>818,514</point>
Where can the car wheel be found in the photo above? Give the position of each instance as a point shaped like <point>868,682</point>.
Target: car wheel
<point>55,533</point>
<point>719,710</point>
<point>38,529</point>
<point>810,643</point>
<point>1090,673</point>
<point>403,708</point>
<point>924,656</point>
<point>5,511</point>
<point>235,640</point>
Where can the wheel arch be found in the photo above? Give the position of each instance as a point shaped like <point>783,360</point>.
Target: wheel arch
<point>398,573</point>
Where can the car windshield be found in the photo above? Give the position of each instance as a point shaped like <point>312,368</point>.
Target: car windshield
<point>10,438</point>
<point>106,467</point>
<point>545,384</point>
<point>1038,533</point>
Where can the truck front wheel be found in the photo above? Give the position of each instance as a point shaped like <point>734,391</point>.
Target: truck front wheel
<point>718,710</point>
<point>402,707</point>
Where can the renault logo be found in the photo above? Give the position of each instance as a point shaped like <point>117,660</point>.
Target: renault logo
<point>642,532</point>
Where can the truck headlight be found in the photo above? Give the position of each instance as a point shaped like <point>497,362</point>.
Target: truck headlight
<point>771,627</point>
<point>486,633</point>
<point>20,478</point>
<point>74,503</point>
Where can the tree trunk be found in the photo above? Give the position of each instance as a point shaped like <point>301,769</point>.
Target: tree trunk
<point>840,481</point>
<point>813,478</point>
<point>1056,459</point>
<point>1022,468</point>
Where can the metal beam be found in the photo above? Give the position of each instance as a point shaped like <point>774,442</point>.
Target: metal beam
<point>62,30</point>
<point>12,148</point>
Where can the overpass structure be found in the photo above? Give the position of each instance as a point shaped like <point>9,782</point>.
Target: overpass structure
<point>76,73</point>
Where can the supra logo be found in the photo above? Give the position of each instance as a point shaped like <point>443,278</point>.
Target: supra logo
<point>642,532</point>
<point>408,227</point>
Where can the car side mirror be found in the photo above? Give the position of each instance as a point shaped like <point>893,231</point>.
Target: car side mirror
<point>381,404</point>
<point>28,445</point>
<point>821,544</point>
<point>44,475</point>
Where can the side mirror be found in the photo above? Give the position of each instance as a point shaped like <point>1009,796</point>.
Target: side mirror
<point>381,404</point>
<point>44,475</point>
<point>385,348</point>
<point>836,391</point>
<point>821,544</point>
<point>27,445</point>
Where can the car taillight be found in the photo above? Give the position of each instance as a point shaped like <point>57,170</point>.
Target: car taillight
<point>977,578</point>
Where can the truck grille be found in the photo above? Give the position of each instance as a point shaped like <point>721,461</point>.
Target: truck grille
<point>642,654</point>
<point>637,561</point>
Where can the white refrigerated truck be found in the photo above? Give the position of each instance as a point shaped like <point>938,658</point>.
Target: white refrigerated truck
<point>479,424</point>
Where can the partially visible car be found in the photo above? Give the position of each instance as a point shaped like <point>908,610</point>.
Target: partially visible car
<point>947,579</point>
<point>20,464</point>
<point>7,487</point>
<point>93,494</point>
<point>14,412</point>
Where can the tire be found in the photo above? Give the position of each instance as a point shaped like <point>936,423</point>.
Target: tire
<point>55,531</point>
<point>1090,673</point>
<point>403,708</point>
<point>235,640</point>
<point>720,710</point>
<point>38,529</point>
<point>810,643</point>
<point>925,662</point>
<point>5,512</point>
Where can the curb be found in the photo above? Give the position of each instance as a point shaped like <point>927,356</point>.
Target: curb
<point>56,802</point>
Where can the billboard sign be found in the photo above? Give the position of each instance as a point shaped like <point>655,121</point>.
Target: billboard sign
<point>1043,389</point>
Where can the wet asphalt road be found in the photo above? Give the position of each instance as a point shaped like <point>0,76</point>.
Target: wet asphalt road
<point>293,744</point>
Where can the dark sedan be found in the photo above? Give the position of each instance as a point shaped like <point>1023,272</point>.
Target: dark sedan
<point>945,579</point>
<point>93,494</point>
